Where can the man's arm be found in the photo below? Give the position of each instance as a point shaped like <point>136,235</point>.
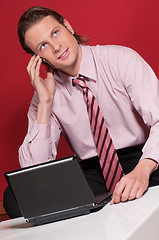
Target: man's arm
<point>142,87</point>
<point>39,145</point>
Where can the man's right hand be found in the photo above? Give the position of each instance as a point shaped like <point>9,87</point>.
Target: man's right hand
<point>45,89</point>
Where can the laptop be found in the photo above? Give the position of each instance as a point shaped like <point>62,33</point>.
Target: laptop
<point>54,191</point>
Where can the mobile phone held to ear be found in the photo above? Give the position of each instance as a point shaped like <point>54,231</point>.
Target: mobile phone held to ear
<point>47,63</point>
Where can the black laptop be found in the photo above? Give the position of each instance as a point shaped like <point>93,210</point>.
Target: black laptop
<point>54,191</point>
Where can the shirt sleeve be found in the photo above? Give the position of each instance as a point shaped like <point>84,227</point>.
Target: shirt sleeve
<point>40,143</point>
<point>142,86</point>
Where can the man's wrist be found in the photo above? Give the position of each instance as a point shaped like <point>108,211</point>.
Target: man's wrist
<point>148,164</point>
<point>44,113</point>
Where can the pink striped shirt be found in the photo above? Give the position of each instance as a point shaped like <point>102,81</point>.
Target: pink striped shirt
<point>127,92</point>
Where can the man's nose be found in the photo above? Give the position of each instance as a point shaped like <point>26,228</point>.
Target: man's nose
<point>55,46</point>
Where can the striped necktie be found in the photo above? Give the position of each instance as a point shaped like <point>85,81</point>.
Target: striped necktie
<point>109,163</point>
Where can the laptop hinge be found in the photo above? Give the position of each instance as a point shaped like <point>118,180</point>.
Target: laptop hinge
<point>82,210</point>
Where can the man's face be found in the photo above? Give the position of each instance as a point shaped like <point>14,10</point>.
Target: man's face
<point>56,43</point>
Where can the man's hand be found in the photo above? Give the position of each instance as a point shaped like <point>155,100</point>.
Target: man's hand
<point>134,184</point>
<point>45,89</point>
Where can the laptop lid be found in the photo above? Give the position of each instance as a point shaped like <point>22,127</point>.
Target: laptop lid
<point>51,191</point>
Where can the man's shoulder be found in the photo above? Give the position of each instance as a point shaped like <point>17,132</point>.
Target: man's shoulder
<point>115,53</point>
<point>111,49</point>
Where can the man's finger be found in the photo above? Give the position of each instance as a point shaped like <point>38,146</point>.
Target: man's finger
<point>119,188</point>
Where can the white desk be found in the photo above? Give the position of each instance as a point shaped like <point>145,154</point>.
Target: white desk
<point>134,220</point>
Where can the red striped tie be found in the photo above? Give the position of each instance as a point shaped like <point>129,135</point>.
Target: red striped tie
<point>110,165</point>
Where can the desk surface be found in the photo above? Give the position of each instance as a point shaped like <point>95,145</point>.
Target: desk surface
<point>133,220</point>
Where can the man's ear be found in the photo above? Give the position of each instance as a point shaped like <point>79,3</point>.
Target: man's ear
<point>68,26</point>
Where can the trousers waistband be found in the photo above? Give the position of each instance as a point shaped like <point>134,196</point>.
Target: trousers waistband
<point>126,150</point>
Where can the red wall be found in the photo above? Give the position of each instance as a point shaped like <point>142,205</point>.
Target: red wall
<point>131,23</point>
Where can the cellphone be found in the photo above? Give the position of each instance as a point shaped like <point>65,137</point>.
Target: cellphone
<point>47,63</point>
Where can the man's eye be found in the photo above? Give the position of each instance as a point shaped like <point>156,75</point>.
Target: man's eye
<point>55,33</point>
<point>43,46</point>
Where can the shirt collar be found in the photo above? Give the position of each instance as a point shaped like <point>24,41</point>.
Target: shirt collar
<point>87,69</point>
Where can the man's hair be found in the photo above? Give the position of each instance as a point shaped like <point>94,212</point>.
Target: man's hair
<point>35,14</point>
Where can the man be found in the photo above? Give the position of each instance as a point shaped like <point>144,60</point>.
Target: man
<point>124,85</point>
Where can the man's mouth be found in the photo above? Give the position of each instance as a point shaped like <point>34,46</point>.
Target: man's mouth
<point>63,55</point>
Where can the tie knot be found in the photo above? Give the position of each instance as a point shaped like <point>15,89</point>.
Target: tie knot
<point>80,81</point>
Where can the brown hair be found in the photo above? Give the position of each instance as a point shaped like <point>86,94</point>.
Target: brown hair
<point>35,14</point>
